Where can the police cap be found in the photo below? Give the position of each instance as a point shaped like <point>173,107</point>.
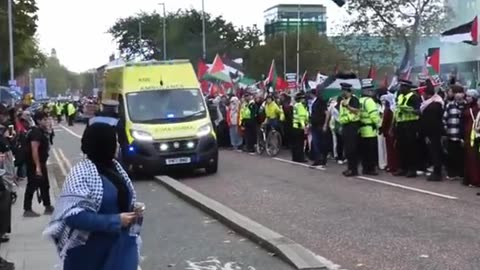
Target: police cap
<point>346,86</point>
<point>406,83</point>
<point>110,103</point>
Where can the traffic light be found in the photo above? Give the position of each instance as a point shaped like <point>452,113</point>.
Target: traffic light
<point>339,3</point>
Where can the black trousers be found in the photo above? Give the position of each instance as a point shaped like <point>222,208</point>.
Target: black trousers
<point>298,144</point>
<point>455,159</point>
<point>407,145</point>
<point>435,152</point>
<point>5,211</point>
<point>369,153</point>
<point>350,143</point>
<point>59,118</point>
<point>70,120</point>
<point>35,183</point>
<point>250,134</point>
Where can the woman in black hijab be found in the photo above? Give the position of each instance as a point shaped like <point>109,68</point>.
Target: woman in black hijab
<point>94,215</point>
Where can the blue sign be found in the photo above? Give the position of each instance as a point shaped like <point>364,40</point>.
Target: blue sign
<point>40,88</point>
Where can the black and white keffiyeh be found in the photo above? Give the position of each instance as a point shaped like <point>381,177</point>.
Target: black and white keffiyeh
<point>82,191</point>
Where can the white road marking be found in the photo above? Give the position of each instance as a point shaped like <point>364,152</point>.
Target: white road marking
<point>378,181</point>
<point>59,161</point>
<point>71,131</point>
<point>300,164</point>
<point>65,159</point>
<point>408,188</point>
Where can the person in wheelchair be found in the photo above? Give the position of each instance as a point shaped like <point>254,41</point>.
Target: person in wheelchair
<point>273,114</point>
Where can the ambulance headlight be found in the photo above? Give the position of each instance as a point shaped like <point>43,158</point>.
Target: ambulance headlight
<point>204,130</point>
<point>163,147</point>
<point>141,135</point>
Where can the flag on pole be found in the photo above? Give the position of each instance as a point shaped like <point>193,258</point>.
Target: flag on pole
<point>372,72</point>
<point>466,33</point>
<point>272,75</point>
<point>303,81</point>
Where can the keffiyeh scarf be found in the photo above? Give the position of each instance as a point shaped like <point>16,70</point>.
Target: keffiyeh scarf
<point>82,191</point>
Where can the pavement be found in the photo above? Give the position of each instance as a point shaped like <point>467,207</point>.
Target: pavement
<point>378,223</point>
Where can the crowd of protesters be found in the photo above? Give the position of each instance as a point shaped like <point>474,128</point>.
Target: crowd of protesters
<point>433,132</point>
<point>25,141</point>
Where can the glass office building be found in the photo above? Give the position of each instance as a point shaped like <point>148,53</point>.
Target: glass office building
<point>286,18</point>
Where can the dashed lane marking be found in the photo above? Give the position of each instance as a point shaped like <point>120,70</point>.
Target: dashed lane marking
<point>64,159</point>
<point>300,164</point>
<point>408,188</point>
<point>71,131</point>
<point>378,181</point>
<point>59,161</point>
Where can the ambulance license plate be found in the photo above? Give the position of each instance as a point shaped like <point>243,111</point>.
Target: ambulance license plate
<point>176,161</point>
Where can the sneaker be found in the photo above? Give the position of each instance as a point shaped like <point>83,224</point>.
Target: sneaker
<point>49,210</point>
<point>30,213</point>
<point>340,162</point>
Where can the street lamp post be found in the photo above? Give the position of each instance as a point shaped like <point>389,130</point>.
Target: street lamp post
<point>10,39</point>
<point>298,42</point>
<point>204,38</point>
<point>164,32</point>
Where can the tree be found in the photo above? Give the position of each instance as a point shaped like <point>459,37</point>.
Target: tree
<point>141,36</point>
<point>26,50</point>
<point>403,20</point>
<point>59,79</point>
<point>317,53</point>
<point>366,50</point>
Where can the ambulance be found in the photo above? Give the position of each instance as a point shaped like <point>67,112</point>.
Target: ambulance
<point>164,115</point>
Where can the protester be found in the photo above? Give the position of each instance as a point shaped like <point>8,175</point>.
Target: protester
<point>452,120</point>
<point>38,146</point>
<point>471,168</point>
<point>386,129</point>
<point>92,224</point>
<point>233,122</point>
<point>431,127</point>
<point>319,119</point>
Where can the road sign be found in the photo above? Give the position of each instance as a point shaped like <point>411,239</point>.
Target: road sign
<point>40,88</point>
<point>12,83</point>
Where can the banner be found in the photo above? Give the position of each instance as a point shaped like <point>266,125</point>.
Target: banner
<point>40,88</point>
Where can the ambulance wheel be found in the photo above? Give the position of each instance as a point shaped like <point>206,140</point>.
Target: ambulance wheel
<point>212,168</point>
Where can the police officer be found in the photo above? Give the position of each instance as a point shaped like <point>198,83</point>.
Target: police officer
<point>300,122</point>
<point>248,119</point>
<point>109,114</point>
<point>349,118</point>
<point>406,128</point>
<point>369,126</point>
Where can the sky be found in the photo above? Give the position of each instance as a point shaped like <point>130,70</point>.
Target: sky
<point>77,29</point>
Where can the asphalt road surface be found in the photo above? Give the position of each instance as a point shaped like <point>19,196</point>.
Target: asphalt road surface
<point>380,223</point>
<point>177,235</point>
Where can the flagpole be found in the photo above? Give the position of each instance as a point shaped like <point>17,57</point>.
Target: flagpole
<point>298,44</point>
<point>204,38</point>
<point>285,54</point>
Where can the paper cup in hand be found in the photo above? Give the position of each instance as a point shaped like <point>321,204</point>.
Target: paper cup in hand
<point>139,208</point>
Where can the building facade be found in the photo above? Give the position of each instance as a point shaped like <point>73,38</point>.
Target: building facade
<point>281,19</point>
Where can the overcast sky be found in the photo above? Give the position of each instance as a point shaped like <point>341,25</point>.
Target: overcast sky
<point>76,29</point>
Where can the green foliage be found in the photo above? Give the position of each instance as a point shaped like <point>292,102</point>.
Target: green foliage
<point>402,20</point>
<point>366,50</point>
<point>60,79</point>
<point>26,50</point>
<point>141,36</point>
<point>317,53</point>
<point>184,40</point>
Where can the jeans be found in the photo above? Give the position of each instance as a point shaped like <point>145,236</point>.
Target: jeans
<point>319,145</point>
<point>235,137</point>
<point>22,171</point>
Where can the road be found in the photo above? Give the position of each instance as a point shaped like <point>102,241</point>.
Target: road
<point>381,223</point>
<point>176,235</point>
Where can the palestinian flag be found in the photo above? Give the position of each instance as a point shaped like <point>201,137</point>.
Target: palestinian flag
<point>466,33</point>
<point>272,75</point>
<point>432,62</point>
